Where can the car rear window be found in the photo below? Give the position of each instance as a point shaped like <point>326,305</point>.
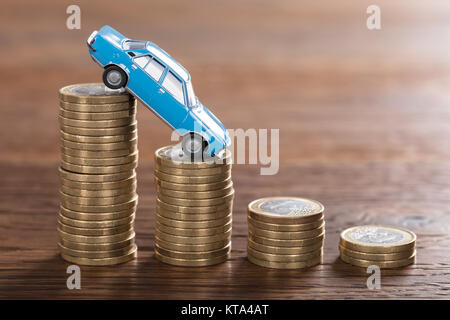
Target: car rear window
<point>134,45</point>
<point>174,86</point>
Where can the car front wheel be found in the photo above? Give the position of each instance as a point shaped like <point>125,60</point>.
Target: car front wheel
<point>114,77</point>
<point>194,145</point>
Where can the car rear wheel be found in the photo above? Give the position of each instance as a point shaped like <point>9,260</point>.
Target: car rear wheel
<point>114,77</point>
<point>194,145</point>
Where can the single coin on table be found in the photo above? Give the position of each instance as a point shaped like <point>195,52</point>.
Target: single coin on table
<point>211,223</point>
<point>93,93</point>
<point>173,156</point>
<point>95,231</point>
<point>287,235</point>
<point>381,264</point>
<point>96,254</point>
<point>284,250</point>
<point>101,108</point>
<point>96,177</point>
<point>97,116</point>
<point>377,239</point>
<point>102,262</point>
<point>196,210</point>
<point>285,227</point>
<point>192,247</point>
<point>190,262</point>
<point>193,255</point>
<point>191,179</point>
<point>100,208</point>
<point>195,194</point>
<point>98,169</point>
<point>376,256</point>
<point>307,256</point>
<point>133,157</point>
<point>192,240</point>
<point>196,202</point>
<point>88,216</point>
<point>96,224</point>
<point>286,243</point>
<point>98,154</point>
<point>125,183</point>
<point>99,132</point>
<point>285,210</point>
<point>74,245</point>
<point>285,265</point>
<point>130,144</point>
<point>193,187</point>
<point>190,232</point>
<point>97,124</point>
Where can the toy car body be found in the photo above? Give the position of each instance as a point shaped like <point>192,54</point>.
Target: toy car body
<point>161,84</point>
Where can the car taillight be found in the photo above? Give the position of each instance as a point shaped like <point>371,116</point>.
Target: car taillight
<point>92,41</point>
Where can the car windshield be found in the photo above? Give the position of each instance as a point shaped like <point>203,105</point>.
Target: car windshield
<point>134,45</point>
<point>190,94</point>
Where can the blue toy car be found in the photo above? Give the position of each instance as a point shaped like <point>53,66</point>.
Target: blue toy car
<point>160,83</point>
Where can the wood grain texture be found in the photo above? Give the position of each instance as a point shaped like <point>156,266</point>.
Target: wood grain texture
<point>364,128</point>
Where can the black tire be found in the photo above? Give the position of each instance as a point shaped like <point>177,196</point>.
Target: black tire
<point>114,77</point>
<point>194,146</point>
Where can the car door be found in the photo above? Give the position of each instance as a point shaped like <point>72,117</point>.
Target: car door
<point>171,100</point>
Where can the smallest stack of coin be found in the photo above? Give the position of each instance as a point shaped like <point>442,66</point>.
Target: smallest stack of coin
<point>385,247</point>
<point>285,232</point>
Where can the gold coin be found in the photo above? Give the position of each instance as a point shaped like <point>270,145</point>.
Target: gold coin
<point>96,224</point>
<point>93,93</point>
<point>284,250</point>
<point>98,201</point>
<point>133,157</point>
<point>108,216</point>
<point>95,231</point>
<point>286,243</point>
<point>101,262</point>
<point>192,240</point>
<point>194,172</point>
<point>100,132</point>
<point>193,187</point>
<point>285,210</point>
<point>286,235</point>
<point>79,177</point>
<point>285,265</point>
<point>192,180</point>
<point>97,116</point>
<point>194,217</point>
<point>197,202</point>
<point>193,232</point>
<point>192,247</point>
<point>98,246</point>
<point>101,139</point>
<point>191,263</point>
<point>173,156</point>
<point>97,124</point>
<point>125,183</point>
<point>106,107</point>
<point>285,227</point>
<point>193,255</point>
<point>308,256</point>
<point>98,154</point>
<point>377,239</point>
<point>99,169</point>
<point>101,208</point>
<point>197,210</point>
<point>96,254</point>
<point>193,224</point>
<point>97,193</point>
<point>376,256</point>
<point>381,264</point>
<point>95,239</point>
<point>99,146</point>
<point>195,194</point>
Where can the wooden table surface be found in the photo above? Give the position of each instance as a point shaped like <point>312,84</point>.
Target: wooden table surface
<point>364,121</point>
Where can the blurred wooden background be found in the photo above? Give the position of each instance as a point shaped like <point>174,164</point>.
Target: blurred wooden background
<point>364,128</point>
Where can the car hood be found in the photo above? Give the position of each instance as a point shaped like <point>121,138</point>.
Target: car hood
<point>211,122</point>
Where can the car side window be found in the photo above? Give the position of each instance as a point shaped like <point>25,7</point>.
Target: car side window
<point>174,86</point>
<point>141,61</point>
<point>154,69</point>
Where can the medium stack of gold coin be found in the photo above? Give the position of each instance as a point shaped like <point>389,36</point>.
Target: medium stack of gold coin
<point>385,247</point>
<point>98,179</point>
<point>194,207</point>
<point>285,232</point>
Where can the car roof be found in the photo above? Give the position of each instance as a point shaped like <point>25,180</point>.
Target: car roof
<point>168,60</point>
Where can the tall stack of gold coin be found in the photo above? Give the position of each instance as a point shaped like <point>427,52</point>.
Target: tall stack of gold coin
<point>385,247</point>
<point>194,207</point>
<point>285,232</point>
<point>98,179</point>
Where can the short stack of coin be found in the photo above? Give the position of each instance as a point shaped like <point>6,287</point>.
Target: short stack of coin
<point>98,179</point>
<point>285,232</point>
<point>385,247</point>
<point>194,208</point>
